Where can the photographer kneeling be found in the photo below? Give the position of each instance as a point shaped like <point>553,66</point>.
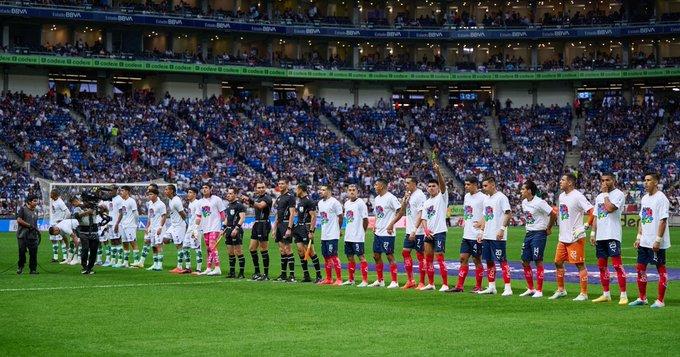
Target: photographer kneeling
<point>28,235</point>
<point>88,232</point>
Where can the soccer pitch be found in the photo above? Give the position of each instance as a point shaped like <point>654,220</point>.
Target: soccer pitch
<point>135,312</point>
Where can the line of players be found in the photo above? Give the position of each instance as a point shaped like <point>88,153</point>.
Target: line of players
<point>486,218</point>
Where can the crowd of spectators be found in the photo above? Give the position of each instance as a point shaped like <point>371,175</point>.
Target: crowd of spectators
<point>536,141</point>
<point>233,142</point>
<point>392,145</point>
<point>59,147</point>
<point>642,11</point>
<point>16,183</point>
<point>614,140</point>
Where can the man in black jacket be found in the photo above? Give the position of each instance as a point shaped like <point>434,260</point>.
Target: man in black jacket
<point>28,235</point>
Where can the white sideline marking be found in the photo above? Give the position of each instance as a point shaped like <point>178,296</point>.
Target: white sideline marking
<point>113,286</point>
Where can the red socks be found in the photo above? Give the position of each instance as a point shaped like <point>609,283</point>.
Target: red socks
<point>528,276</point>
<point>422,266</point>
<point>442,269</point>
<point>506,272</point>
<point>379,267</point>
<point>393,271</point>
<point>642,280</point>
<point>604,273</point>
<point>430,269</point>
<point>620,273</point>
<point>327,262</point>
<point>364,271</point>
<point>408,264</point>
<point>540,273</point>
<point>462,273</point>
<point>491,272</point>
<point>479,276</point>
<point>351,267</point>
<point>663,281</point>
<point>338,268</point>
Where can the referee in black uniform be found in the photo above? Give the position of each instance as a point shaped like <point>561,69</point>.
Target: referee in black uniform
<point>283,229</point>
<point>259,236</point>
<point>303,231</point>
<point>233,233</point>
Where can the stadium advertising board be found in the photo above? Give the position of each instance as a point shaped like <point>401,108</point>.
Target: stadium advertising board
<point>82,14</point>
<point>191,68</point>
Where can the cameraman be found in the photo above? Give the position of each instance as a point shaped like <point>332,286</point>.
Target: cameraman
<point>28,235</point>
<point>88,232</point>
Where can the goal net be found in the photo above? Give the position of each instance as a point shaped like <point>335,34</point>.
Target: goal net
<point>67,190</point>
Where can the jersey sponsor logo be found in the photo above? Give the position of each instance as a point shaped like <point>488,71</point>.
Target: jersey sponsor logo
<point>301,209</point>
<point>232,211</point>
<point>380,212</point>
<point>124,210</point>
<point>529,218</point>
<point>488,213</point>
<point>350,216</point>
<point>564,212</point>
<point>324,218</point>
<point>205,211</point>
<point>601,211</point>
<point>430,212</point>
<point>647,215</point>
<point>151,213</point>
<point>467,213</point>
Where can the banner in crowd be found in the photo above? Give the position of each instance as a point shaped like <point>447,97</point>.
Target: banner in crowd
<point>171,67</point>
<point>83,14</point>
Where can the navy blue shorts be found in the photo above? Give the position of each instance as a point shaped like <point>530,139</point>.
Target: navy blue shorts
<point>494,250</point>
<point>354,248</point>
<point>383,244</point>
<point>470,246</point>
<point>649,256</point>
<point>534,246</point>
<point>415,244</point>
<point>329,248</point>
<point>438,241</point>
<point>607,248</point>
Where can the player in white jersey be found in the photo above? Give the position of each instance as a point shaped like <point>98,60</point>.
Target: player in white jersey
<point>104,234</point>
<point>494,235</point>
<point>192,238</point>
<point>178,225</point>
<point>126,227</point>
<point>385,207</point>
<point>653,239</point>
<point>539,220</point>
<point>473,209</point>
<point>58,213</point>
<point>606,236</point>
<point>410,206</point>
<point>571,247</point>
<point>330,211</point>
<point>356,216</point>
<point>65,228</point>
<point>153,235</point>
<point>115,236</point>
<point>209,219</point>
<point>432,216</point>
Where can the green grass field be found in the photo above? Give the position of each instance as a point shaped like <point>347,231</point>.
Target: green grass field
<point>133,312</point>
